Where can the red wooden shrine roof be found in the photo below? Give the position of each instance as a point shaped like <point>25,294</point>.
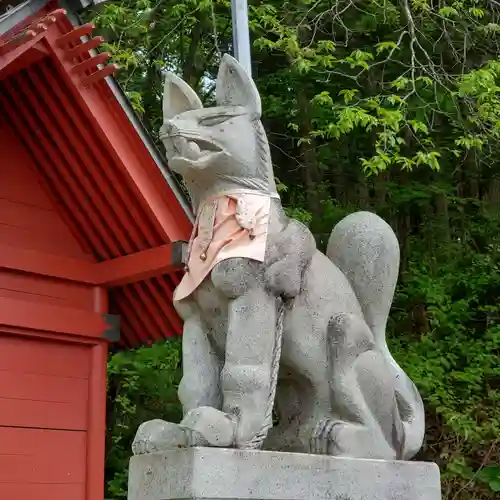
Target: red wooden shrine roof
<point>101,168</point>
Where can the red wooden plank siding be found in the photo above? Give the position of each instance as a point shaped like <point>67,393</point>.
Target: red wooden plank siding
<point>41,401</point>
<point>42,289</point>
<point>42,464</point>
<point>100,201</point>
<point>33,394</point>
<point>28,218</point>
<point>45,358</point>
<point>93,162</point>
<point>80,192</point>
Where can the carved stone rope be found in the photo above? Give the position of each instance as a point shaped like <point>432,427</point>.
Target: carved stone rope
<point>257,441</point>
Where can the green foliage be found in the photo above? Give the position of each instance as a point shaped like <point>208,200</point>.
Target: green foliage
<point>391,106</point>
<point>449,345</point>
<point>142,385</point>
<point>455,362</point>
<point>490,476</point>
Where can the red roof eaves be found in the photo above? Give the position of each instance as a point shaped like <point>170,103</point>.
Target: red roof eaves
<point>112,168</point>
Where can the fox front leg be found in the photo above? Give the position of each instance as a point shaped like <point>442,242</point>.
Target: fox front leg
<point>199,389</point>
<point>199,385</point>
<point>246,375</point>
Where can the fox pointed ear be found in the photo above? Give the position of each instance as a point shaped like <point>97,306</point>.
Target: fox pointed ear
<point>236,88</point>
<point>178,97</point>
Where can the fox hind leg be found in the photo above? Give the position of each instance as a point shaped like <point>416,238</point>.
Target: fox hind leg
<point>365,419</point>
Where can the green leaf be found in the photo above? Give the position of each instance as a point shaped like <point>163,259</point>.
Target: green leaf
<point>348,94</point>
<point>400,83</point>
<point>418,126</point>
<point>477,12</point>
<point>448,12</point>
<point>491,476</point>
<point>385,46</point>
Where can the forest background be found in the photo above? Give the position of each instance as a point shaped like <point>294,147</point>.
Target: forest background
<point>387,105</point>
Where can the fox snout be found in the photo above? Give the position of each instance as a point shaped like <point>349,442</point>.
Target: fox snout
<point>169,128</point>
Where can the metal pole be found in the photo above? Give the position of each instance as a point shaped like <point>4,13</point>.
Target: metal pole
<point>241,34</point>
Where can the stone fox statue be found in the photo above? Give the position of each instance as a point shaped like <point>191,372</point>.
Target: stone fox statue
<point>271,325</point>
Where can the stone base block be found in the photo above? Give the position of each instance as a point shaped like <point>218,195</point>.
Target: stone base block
<point>229,474</point>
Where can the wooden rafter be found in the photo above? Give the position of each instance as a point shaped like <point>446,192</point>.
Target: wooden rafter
<point>112,273</point>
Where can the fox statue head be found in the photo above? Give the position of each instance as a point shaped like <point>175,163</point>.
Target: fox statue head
<point>221,149</point>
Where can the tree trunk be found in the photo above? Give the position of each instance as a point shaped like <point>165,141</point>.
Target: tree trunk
<point>311,174</point>
<point>442,216</point>
<point>190,64</point>
<point>492,196</point>
<point>363,193</point>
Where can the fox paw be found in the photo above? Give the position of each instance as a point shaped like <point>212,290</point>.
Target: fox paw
<point>206,426</point>
<point>158,435</point>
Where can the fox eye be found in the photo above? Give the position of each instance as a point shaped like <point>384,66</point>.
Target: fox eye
<point>209,121</point>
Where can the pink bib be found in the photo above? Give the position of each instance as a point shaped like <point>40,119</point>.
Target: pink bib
<point>226,227</point>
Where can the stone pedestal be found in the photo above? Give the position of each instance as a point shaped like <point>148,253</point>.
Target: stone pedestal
<point>229,474</point>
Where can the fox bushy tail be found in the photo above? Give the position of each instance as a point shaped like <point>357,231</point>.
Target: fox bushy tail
<point>366,250</point>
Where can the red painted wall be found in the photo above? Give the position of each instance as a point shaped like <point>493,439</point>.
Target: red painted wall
<point>104,199</point>
<point>52,385</point>
<point>43,419</point>
<point>28,218</point>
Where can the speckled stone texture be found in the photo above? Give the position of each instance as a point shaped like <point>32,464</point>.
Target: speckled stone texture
<point>301,333</point>
<point>209,473</point>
